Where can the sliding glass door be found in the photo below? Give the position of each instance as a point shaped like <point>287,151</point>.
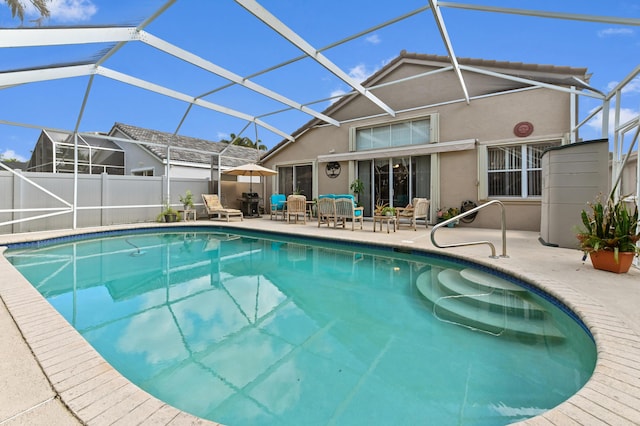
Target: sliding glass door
<point>394,181</point>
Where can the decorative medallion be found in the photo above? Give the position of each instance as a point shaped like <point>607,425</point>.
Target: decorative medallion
<point>523,129</point>
<point>333,169</point>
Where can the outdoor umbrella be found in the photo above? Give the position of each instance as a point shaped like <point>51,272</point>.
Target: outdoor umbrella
<point>250,169</point>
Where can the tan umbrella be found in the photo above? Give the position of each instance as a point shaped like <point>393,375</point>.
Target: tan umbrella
<point>250,169</point>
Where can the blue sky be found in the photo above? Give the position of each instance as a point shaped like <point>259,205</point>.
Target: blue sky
<point>224,33</point>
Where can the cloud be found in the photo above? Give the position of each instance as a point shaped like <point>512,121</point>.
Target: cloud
<point>373,39</point>
<point>632,87</point>
<point>359,73</point>
<point>9,153</point>
<point>334,95</point>
<point>66,10</point>
<point>615,32</point>
<point>626,114</point>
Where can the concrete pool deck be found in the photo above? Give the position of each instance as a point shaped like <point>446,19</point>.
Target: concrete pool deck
<point>50,375</point>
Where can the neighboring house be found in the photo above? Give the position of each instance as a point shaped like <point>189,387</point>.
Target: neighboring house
<point>188,157</point>
<point>54,153</point>
<point>15,165</point>
<point>438,146</point>
<point>145,155</point>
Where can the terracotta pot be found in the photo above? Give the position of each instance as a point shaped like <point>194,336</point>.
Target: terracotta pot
<point>605,261</point>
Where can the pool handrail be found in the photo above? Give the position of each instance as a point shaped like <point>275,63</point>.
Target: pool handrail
<point>471,243</point>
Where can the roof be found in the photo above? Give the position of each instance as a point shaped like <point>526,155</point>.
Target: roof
<point>547,74</point>
<point>232,155</point>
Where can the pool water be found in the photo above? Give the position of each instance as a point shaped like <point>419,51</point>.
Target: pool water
<point>252,328</point>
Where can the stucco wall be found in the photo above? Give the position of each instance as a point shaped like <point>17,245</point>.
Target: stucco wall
<point>488,120</point>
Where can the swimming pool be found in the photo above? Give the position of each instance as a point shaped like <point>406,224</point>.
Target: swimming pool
<point>343,334</point>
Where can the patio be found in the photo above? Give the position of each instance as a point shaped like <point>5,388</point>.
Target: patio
<point>44,343</point>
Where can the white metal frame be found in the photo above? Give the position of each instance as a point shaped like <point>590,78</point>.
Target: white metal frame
<point>26,37</point>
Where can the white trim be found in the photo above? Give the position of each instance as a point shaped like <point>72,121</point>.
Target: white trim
<point>424,149</point>
<point>520,141</point>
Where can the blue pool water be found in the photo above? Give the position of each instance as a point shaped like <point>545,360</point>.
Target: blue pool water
<point>252,328</point>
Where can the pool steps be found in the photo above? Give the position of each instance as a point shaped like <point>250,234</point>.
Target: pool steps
<point>483,302</point>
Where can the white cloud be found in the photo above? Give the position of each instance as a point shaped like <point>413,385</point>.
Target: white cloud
<point>626,114</point>
<point>66,10</point>
<point>615,32</point>
<point>373,39</point>
<point>359,73</point>
<point>334,95</point>
<point>632,87</point>
<point>9,153</point>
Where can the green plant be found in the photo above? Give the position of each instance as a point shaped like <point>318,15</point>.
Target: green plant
<point>609,226</point>
<point>357,187</point>
<point>379,206</point>
<point>388,211</point>
<point>446,213</point>
<point>187,200</point>
<point>168,214</point>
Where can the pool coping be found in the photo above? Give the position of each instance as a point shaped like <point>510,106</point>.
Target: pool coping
<point>97,394</point>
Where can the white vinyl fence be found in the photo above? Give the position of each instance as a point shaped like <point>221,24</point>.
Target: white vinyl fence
<point>32,201</point>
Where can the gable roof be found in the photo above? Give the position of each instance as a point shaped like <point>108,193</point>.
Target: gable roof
<point>232,156</point>
<point>564,76</point>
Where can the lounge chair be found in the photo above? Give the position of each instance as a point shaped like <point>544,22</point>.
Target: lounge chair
<point>346,209</point>
<point>277,205</point>
<point>409,215</point>
<point>213,207</point>
<point>296,207</point>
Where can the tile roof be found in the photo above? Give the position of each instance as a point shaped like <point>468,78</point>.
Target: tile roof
<point>233,155</point>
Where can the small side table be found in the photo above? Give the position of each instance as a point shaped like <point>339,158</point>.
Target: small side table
<point>188,214</point>
<point>388,219</point>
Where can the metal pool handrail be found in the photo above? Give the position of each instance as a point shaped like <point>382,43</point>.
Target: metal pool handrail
<point>472,243</point>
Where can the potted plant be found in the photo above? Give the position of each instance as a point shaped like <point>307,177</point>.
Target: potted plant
<point>446,213</point>
<point>610,234</point>
<point>388,211</point>
<point>168,214</point>
<point>187,200</point>
<point>378,208</point>
<point>357,187</point>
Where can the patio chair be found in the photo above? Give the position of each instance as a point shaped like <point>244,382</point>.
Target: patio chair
<point>409,215</point>
<point>213,207</point>
<point>346,209</point>
<point>296,207</point>
<point>277,205</point>
<point>326,210</point>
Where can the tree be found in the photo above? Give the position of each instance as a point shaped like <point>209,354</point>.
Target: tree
<point>245,141</point>
<point>17,8</point>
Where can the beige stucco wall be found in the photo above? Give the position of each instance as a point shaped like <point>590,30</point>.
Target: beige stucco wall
<point>488,120</point>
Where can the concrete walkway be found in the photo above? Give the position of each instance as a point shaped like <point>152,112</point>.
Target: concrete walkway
<point>49,375</point>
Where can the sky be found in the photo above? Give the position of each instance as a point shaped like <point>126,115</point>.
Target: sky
<point>224,33</point>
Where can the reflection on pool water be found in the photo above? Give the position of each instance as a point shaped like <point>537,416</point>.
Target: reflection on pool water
<point>254,328</point>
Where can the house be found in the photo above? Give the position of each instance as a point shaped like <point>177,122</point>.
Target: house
<point>54,153</point>
<point>188,157</point>
<point>131,150</point>
<point>475,136</point>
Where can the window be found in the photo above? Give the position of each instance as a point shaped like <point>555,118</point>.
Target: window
<point>414,132</point>
<point>142,172</point>
<point>515,170</point>
<point>296,179</point>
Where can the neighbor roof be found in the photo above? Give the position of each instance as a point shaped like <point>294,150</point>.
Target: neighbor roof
<point>232,155</point>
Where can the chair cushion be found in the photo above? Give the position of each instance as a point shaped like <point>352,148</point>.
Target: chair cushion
<point>278,201</point>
